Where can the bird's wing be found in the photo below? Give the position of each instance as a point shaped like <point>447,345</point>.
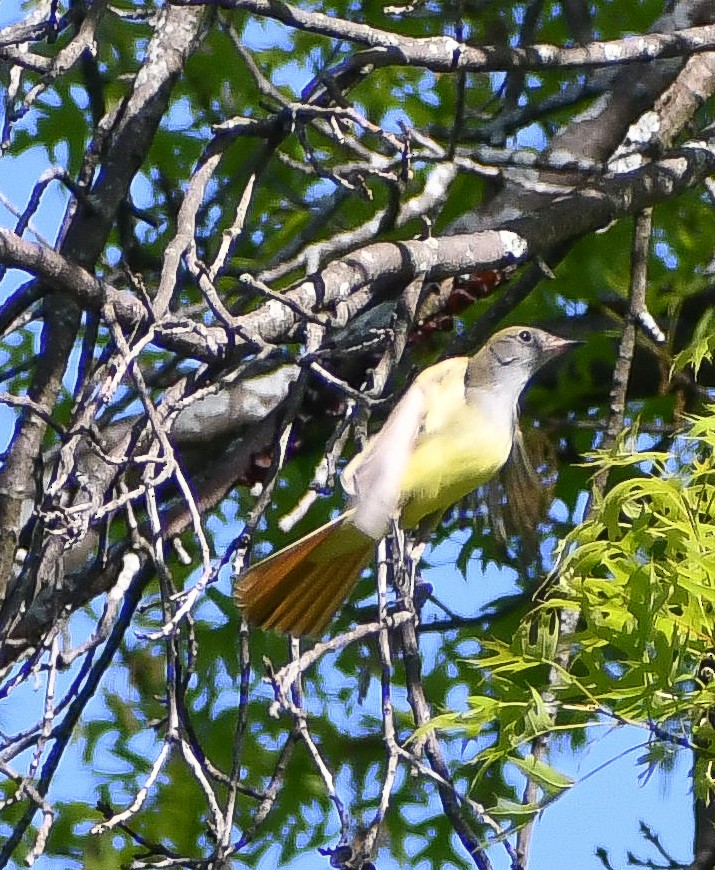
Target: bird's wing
<point>374,477</point>
<point>527,495</point>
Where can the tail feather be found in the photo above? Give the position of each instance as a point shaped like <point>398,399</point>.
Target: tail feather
<point>298,589</point>
<point>312,603</point>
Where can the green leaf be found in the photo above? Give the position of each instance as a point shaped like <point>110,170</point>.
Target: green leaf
<point>552,781</point>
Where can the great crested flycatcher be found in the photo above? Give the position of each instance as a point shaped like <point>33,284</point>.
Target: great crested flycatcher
<point>451,432</point>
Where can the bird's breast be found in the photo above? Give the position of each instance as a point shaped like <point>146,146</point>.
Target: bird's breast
<point>453,456</point>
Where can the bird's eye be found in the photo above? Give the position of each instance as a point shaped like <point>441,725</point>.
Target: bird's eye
<point>525,336</point>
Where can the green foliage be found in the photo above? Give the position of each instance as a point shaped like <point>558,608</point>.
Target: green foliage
<point>702,346</point>
<point>639,572</point>
<point>638,577</point>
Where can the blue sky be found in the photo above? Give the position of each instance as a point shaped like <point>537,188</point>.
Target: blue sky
<point>604,809</point>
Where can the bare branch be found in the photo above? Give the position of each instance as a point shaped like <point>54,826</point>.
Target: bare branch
<point>444,54</point>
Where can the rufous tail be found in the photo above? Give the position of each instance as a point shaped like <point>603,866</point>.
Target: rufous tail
<point>298,589</point>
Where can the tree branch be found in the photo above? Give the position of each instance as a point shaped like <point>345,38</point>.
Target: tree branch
<point>444,54</point>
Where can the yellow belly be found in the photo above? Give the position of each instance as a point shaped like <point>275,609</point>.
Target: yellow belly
<point>458,455</point>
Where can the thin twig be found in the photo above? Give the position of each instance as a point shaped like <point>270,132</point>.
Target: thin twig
<point>618,396</point>
<point>64,733</point>
<point>369,840</point>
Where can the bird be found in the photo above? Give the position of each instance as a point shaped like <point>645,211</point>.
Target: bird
<point>451,432</point>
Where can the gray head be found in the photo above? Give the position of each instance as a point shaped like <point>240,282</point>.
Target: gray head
<point>511,357</point>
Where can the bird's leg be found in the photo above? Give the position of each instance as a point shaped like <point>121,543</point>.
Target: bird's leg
<point>420,589</point>
<point>407,554</point>
<point>400,566</point>
<point>397,550</point>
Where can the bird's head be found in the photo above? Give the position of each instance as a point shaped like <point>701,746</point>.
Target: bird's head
<point>512,356</point>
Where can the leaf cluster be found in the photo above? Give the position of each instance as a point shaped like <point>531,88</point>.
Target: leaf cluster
<point>636,581</point>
